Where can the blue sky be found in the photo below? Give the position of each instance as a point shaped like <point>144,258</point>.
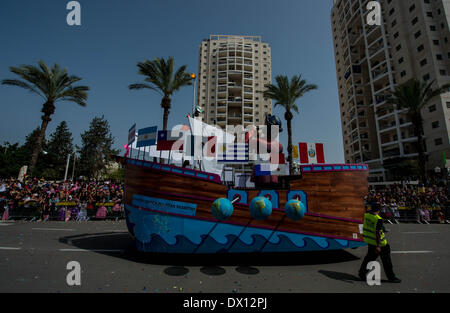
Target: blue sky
<point>116,34</point>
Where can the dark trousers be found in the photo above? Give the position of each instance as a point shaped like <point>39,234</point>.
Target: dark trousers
<point>385,255</point>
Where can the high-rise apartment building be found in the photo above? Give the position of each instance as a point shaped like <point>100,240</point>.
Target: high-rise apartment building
<point>232,69</point>
<point>411,42</point>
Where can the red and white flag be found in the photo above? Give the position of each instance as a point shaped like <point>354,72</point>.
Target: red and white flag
<point>311,153</point>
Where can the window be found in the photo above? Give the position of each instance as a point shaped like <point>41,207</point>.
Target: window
<point>432,28</point>
<point>432,108</point>
<point>414,21</point>
<point>417,35</point>
<point>438,142</point>
<point>439,57</point>
<point>400,61</point>
<point>411,8</point>
<point>436,42</point>
<point>426,77</point>
<point>398,47</point>
<point>402,74</point>
<point>435,125</point>
<point>442,72</point>
<point>423,62</point>
<point>420,48</point>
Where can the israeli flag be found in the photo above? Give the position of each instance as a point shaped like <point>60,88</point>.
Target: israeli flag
<point>147,137</point>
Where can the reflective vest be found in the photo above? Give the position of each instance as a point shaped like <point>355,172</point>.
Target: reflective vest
<point>370,230</point>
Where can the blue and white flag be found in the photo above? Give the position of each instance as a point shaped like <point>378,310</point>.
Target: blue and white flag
<point>234,153</point>
<point>147,137</point>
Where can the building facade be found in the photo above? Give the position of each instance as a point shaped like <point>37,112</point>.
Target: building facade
<point>232,72</point>
<point>411,42</point>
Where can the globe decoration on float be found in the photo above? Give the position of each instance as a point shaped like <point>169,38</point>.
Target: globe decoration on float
<point>260,208</point>
<point>222,209</point>
<point>295,210</point>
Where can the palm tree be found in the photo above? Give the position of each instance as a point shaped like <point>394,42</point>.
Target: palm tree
<point>414,95</point>
<point>285,94</point>
<point>53,85</point>
<point>160,77</point>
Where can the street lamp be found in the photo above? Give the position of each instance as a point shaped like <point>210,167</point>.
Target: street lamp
<point>193,76</point>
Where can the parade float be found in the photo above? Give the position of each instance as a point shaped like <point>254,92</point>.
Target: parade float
<point>186,210</point>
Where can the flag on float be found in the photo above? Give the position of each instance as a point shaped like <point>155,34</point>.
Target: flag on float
<point>271,169</point>
<point>132,135</point>
<point>233,153</point>
<point>167,142</point>
<point>147,137</point>
<point>199,146</point>
<point>311,153</point>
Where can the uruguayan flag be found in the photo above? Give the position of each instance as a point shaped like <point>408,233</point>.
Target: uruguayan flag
<point>235,153</point>
<point>147,137</point>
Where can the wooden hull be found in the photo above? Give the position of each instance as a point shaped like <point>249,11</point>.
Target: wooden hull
<point>168,209</point>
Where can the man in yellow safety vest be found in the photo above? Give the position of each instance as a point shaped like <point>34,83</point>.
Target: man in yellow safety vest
<point>374,235</point>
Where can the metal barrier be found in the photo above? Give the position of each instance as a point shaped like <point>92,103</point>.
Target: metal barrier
<point>62,211</point>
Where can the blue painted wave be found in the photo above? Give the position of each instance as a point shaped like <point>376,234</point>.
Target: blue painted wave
<point>156,232</point>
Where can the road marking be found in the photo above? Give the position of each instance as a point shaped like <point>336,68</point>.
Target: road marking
<point>4,224</point>
<point>116,231</point>
<point>9,248</point>
<point>57,229</point>
<point>411,252</point>
<point>420,232</point>
<point>89,250</point>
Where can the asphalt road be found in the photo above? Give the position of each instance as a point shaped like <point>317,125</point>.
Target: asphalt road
<point>34,256</point>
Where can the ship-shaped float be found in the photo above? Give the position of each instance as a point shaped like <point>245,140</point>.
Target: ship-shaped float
<point>178,210</point>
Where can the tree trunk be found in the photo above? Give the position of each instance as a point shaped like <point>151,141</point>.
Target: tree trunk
<point>288,116</point>
<point>38,144</point>
<point>165,104</point>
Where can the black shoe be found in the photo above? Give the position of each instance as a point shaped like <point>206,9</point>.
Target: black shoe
<point>395,280</point>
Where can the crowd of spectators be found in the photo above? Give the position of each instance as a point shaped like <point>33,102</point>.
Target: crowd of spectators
<point>68,200</point>
<point>427,203</point>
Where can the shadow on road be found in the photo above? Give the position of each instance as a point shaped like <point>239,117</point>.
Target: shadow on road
<point>121,245</point>
<point>348,278</point>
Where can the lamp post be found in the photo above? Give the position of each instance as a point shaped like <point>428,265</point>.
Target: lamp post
<point>67,167</point>
<point>193,76</point>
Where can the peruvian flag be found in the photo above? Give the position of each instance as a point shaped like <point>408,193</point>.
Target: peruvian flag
<point>311,153</point>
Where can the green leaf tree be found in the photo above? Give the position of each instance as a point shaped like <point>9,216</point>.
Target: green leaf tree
<point>286,93</point>
<point>60,145</point>
<point>96,150</point>
<point>414,95</point>
<point>53,85</point>
<point>160,76</point>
